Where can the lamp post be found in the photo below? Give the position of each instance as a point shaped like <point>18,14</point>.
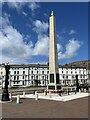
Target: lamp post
<point>77,84</point>
<point>5,94</point>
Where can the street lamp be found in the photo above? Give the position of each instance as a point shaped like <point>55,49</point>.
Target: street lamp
<point>5,94</point>
<point>77,84</point>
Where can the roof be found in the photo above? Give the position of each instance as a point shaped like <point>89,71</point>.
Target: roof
<point>44,66</point>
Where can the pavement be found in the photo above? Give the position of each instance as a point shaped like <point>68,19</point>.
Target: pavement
<point>46,108</point>
<point>30,108</point>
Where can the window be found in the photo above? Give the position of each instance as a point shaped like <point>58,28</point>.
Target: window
<point>23,83</point>
<point>1,72</point>
<point>67,77</point>
<point>23,77</point>
<point>47,72</point>
<point>66,68</point>
<point>66,71</point>
<point>83,76</point>
<point>13,82</point>
<point>17,72</point>
<point>43,82</point>
<point>63,81</point>
<point>32,82</point>
<point>72,76</point>
<point>63,76</point>
<point>31,72</point>
<point>14,77</point>
<point>17,77</point>
<point>42,77</point>
<point>80,76</point>
<point>14,72</point>
<point>26,77</point>
<point>42,72</point>
<point>71,72</point>
<point>62,71</point>
<point>36,77</point>
<point>37,72</point>
<point>31,77</point>
<point>23,72</point>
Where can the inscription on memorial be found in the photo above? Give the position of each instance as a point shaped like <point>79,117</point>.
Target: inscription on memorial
<point>51,78</point>
<point>57,78</point>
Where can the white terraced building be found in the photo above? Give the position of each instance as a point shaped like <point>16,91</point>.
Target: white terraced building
<point>38,74</point>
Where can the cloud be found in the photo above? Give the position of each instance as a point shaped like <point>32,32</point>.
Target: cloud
<point>16,5</point>
<point>59,47</point>
<point>40,26</point>
<point>20,5</point>
<point>46,15</point>
<point>59,37</point>
<point>42,45</point>
<point>33,6</point>
<point>72,32</point>
<point>24,13</point>
<point>71,49</point>
<point>14,47</point>
<point>12,43</point>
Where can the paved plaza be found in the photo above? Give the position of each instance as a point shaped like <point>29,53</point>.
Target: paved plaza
<point>30,108</point>
<point>54,96</point>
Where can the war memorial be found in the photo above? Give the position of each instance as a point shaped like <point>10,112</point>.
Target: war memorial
<point>53,94</point>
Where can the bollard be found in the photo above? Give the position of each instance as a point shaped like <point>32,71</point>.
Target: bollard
<point>50,94</point>
<point>68,91</point>
<point>79,91</point>
<point>60,94</point>
<point>10,95</point>
<point>45,92</point>
<point>89,89</point>
<point>85,90</point>
<point>23,94</point>
<point>18,99</point>
<point>36,95</point>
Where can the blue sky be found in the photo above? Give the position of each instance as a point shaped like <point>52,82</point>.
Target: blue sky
<point>25,31</point>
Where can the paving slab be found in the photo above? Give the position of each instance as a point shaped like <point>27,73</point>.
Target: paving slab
<point>30,108</point>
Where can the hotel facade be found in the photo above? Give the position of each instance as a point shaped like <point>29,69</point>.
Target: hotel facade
<point>38,75</point>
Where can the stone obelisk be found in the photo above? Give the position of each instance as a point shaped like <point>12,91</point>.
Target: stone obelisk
<point>53,57</point>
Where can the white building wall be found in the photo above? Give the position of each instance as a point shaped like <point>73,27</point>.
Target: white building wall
<point>40,73</point>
